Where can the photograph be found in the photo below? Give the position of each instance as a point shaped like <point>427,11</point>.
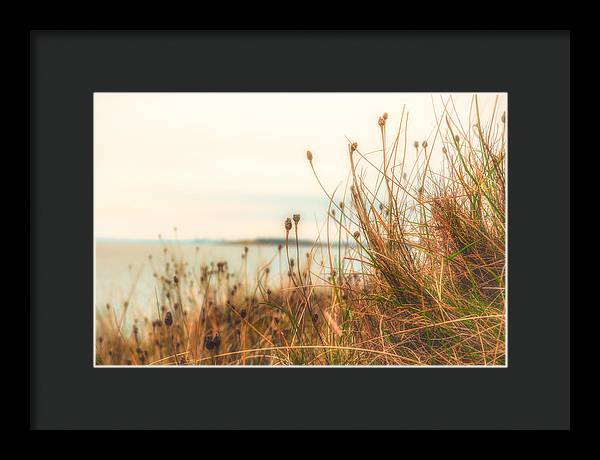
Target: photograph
<point>300,229</point>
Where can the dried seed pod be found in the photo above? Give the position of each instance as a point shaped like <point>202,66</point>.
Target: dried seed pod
<point>309,155</point>
<point>216,341</point>
<point>296,218</point>
<point>288,224</point>
<point>168,319</point>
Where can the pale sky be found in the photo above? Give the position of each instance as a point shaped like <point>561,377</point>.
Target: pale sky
<point>233,165</point>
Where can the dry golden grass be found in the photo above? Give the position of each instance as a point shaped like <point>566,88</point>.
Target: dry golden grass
<point>429,288</point>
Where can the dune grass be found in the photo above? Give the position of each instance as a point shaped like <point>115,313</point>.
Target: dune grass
<point>415,275</point>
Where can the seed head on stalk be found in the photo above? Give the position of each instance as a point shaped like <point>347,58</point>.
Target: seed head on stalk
<point>168,318</point>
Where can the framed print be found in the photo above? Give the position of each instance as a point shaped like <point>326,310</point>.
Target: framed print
<point>245,223</point>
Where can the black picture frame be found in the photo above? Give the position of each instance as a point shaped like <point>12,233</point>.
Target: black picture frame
<point>67,392</point>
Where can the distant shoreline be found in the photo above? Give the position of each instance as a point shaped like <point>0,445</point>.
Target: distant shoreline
<point>206,241</point>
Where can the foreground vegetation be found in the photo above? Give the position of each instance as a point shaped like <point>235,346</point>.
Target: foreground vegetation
<point>414,276</point>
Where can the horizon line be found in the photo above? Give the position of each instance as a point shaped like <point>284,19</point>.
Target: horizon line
<point>258,240</point>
